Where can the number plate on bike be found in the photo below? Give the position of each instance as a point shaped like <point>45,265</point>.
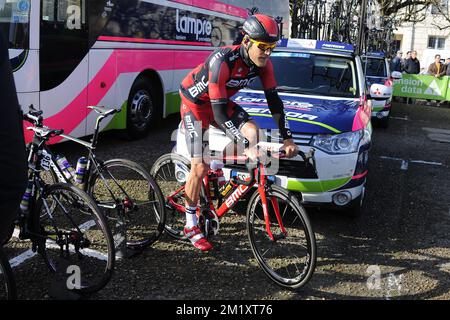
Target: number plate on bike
<point>46,160</point>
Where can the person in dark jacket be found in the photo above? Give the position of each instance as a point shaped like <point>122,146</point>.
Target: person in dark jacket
<point>412,65</point>
<point>447,67</point>
<point>13,163</point>
<point>397,62</point>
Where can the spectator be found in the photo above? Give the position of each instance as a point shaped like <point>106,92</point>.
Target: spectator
<point>397,63</point>
<point>412,66</point>
<point>436,69</point>
<point>447,67</point>
<point>13,164</point>
<point>408,55</point>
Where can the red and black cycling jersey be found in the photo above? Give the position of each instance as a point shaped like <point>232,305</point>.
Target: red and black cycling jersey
<point>226,71</point>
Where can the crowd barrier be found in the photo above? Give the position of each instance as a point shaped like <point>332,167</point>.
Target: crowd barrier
<point>422,86</point>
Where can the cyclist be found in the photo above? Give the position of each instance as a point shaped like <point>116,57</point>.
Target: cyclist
<point>13,165</point>
<point>205,94</point>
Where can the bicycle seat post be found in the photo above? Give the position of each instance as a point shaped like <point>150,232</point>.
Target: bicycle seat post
<point>97,130</point>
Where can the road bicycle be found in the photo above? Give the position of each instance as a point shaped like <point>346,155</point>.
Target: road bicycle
<point>8,289</point>
<point>279,230</point>
<point>65,226</point>
<point>129,197</point>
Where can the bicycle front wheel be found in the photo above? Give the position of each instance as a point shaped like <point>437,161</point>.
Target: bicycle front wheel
<point>131,200</point>
<point>74,238</point>
<point>171,172</point>
<point>7,282</point>
<point>290,259</point>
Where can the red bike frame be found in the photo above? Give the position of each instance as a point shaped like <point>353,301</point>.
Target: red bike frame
<point>239,191</point>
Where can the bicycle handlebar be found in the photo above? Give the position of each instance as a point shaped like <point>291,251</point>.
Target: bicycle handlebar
<point>34,116</point>
<point>251,166</point>
<point>45,132</point>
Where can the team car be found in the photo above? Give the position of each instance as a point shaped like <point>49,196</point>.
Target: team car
<point>380,82</point>
<point>326,103</point>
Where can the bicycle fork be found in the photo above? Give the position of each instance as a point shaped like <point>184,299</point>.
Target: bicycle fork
<point>276,208</point>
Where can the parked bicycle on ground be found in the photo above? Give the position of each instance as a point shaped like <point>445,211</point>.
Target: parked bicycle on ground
<point>65,226</point>
<point>129,197</point>
<point>280,233</point>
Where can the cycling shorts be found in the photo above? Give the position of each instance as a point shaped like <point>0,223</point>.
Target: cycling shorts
<point>197,119</point>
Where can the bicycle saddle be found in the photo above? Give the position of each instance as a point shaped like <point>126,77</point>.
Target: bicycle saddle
<point>102,110</point>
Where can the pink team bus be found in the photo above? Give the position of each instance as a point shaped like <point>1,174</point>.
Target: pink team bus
<point>128,54</point>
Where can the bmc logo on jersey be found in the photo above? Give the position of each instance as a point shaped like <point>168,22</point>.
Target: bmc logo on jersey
<point>199,87</point>
<point>239,83</point>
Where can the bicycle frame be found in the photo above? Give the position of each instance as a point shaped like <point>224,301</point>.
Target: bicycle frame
<point>29,228</point>
<point>49,162</point>
<point>240,189</point>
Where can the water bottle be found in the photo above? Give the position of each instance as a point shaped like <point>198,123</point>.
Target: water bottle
<point>80,170</point>
<point>25,203</point>
<point>215,175</point>
<point>221,181</point>
<point>212,178</point>
<point>65,167</point>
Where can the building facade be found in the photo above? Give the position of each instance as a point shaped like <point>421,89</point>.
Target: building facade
<point>428,37</point>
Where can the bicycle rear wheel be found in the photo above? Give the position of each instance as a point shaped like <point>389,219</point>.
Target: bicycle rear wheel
<point>131,200</point>
<point>7,281</point>
<point>74,239</point>
<point>290,260</point>
<point>170,172</point>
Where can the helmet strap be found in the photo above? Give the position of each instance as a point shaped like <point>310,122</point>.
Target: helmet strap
<point>246,44</point>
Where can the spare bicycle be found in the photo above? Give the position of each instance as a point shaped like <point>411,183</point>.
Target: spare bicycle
<point>129,197</point>
<point>280,233</point>
<point>65,226</point>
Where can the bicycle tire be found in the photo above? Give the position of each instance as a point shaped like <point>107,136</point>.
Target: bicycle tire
<point>75,221</point>
<point>144,218</point>
<point>161,172</point>
<point>268,253</point>
<point>7,280</point>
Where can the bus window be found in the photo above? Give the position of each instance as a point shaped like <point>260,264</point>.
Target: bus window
<point>14,22</point>
<point>64,40</point>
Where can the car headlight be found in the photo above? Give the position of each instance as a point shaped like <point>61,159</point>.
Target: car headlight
<point>339,143</point>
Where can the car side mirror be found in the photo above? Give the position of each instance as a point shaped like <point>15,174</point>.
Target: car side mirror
<point>380,92</point>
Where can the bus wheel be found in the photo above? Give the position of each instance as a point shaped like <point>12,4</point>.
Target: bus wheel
<point>142,109</point>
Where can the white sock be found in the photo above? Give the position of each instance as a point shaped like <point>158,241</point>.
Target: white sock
<point>191,216</point>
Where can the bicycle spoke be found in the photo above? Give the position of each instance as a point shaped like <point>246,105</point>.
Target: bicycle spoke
<point>285,258</point>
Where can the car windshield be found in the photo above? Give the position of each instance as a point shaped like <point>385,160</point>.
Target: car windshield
<point>14,22</point>
<point>374,67</point>
<point>308,73</point>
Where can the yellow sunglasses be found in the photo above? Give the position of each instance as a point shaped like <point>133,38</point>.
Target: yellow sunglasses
<point>264,46</point>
